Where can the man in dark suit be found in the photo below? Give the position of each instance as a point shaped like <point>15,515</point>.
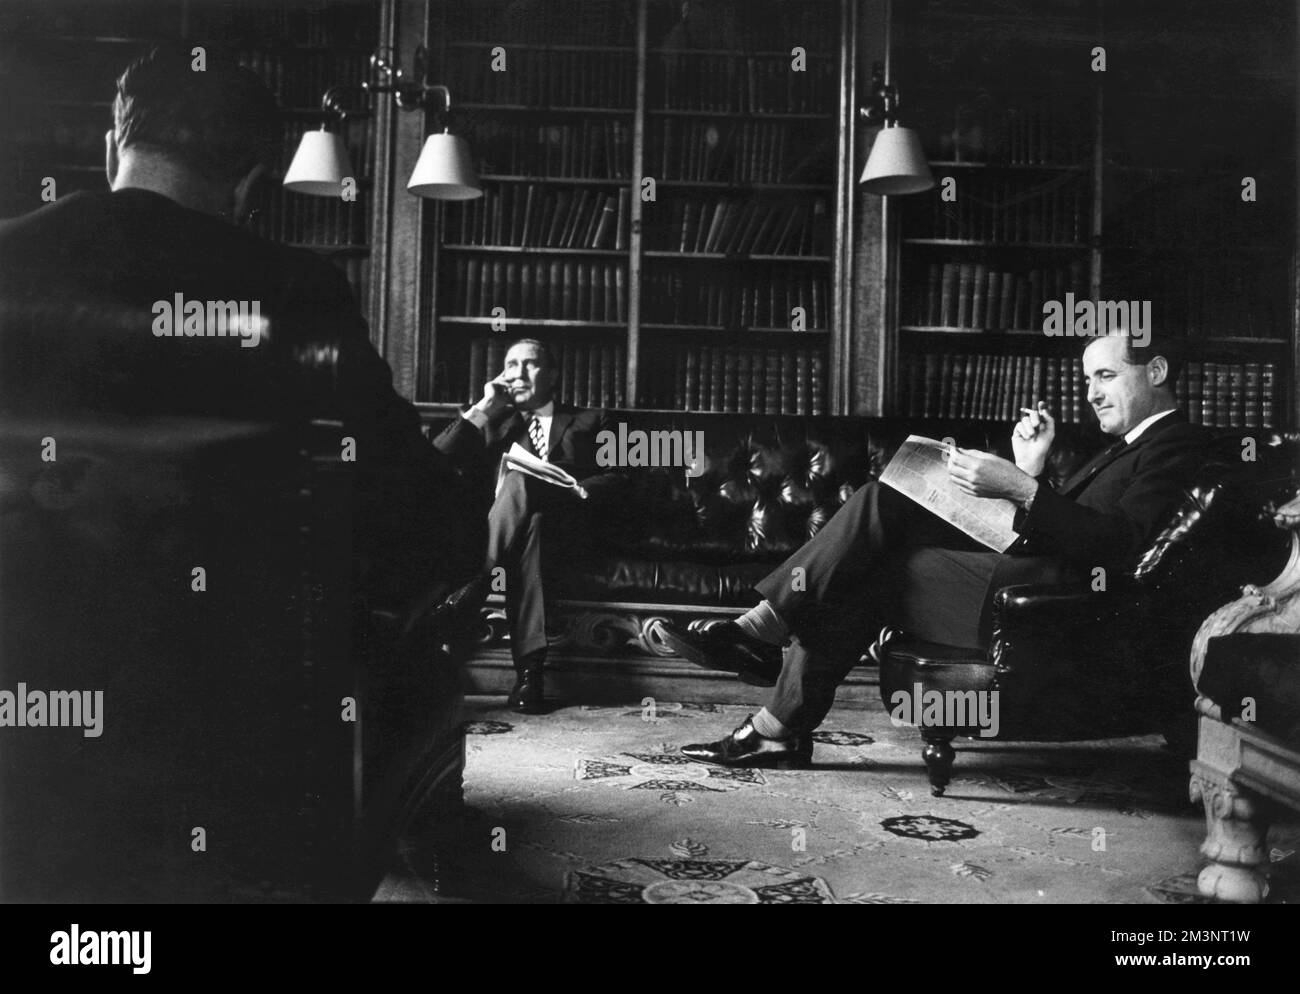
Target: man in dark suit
<point>884,560</point>
<point>96,292</point>
<point>88,285</point>
<point>529,515</point>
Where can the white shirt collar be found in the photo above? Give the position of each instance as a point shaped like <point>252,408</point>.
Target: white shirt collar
<point>1132,434</point>
<point>547,410</point>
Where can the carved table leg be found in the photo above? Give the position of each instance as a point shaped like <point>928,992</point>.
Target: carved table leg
<point>1234,839</point>
<point>938,755</point>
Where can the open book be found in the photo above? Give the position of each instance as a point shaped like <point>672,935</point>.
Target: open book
<point>919,470</point>
<point>519,458</point>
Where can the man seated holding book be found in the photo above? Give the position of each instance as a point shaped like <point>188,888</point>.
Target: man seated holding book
<point>885,560</point>
<point>546,496</point>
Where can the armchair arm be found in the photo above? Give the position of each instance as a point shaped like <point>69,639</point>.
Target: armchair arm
<point>1052,609</point>
<point>1038,623</point>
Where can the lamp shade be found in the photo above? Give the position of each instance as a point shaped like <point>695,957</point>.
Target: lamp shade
<point>444,170</point>
<point>319,166</point>
<point>897,164</point>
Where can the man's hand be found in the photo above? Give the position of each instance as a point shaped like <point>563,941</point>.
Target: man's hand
<point>1031,439</point>
<point>496,396</point>
<point>982,474</point>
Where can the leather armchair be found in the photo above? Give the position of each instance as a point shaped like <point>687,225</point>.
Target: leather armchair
<point>1073,662</point>
<point>296,710</point>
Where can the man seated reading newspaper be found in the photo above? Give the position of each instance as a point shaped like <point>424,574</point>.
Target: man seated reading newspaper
<point>884,559</point>
<point>541,456</point>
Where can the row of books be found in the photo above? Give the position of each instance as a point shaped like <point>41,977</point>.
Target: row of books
<point>747,303</point>
<point>591,374</point>
<point>300,77</point>
<point>35,140</point>
<point>543,288</point>
<point>755,25</point>
<point>253,22</point>
<point>592,148</point>
<point>1212,295</point>
<point>1036,134</point>
<point>1228,394</point>
<point>970,385</point>
<point>996,209</point>
<point>1165,209</point>
<point>735,151</point>
<point>543,78</point>
<point>684,80</point>
<point>743,227</point>
<point>323,221</point>
<point>976,296</point>
<point>541,216</point>
<point>115,20</point>
<point>250,21</point>
<point>546,22</point>
<point>724,378</point>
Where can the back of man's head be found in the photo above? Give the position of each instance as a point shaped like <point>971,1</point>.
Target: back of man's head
<point>196,110</point>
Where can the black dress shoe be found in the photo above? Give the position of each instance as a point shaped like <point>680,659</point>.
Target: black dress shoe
<point>528,695</point>
<point>458,612</point>
<point>745,747</point>
<point>725,646</point>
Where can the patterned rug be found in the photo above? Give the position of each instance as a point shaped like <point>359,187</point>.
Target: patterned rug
<point>597,805</point>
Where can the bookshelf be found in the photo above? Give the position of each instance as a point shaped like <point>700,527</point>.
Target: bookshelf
<point>715,292</point>
<point>64,59</point>
<point>1099,185</point>
<point>1175,226</point>
<point>1011,222</point>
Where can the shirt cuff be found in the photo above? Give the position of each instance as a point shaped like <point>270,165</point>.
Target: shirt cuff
<point>475,417</point>
<point>1026,505</point>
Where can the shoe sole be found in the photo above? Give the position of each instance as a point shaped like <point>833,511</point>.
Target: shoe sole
<point>760,762</point>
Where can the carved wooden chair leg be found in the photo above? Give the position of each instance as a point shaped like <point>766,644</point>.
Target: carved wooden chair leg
<point>1235,832</point>
<point>938,755</point>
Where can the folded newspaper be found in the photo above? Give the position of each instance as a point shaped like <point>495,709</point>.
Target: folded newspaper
<point>919,470</point>
<point>520,459</point>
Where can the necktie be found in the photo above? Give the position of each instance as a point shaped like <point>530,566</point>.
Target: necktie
<point>537,435</point>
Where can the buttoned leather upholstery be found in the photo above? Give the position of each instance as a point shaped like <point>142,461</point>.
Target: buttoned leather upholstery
<point>768,484</point>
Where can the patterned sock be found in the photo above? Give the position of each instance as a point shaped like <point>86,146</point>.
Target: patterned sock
<point>763,623</point>
<point>769,726</point>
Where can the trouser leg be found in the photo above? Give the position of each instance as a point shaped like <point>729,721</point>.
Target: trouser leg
<point>844,553</point>
<point>806,688</point>
<point>523,511</point>
<point>525,591</point>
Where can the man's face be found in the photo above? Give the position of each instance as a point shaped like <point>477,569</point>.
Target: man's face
<point>529,376</point>
<point>1121,394</point>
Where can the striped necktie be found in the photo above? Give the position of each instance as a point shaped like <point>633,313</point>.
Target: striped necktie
<point>536,434</point>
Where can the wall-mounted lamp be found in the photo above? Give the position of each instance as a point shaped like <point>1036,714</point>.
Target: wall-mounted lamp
<point>897,163</point>
<point>444,170</point>
<point>321,163</point>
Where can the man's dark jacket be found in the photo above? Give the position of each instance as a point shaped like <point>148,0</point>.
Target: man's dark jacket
<point>78,282</point>
<point>572,445</point>
<point>1108,511</point>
